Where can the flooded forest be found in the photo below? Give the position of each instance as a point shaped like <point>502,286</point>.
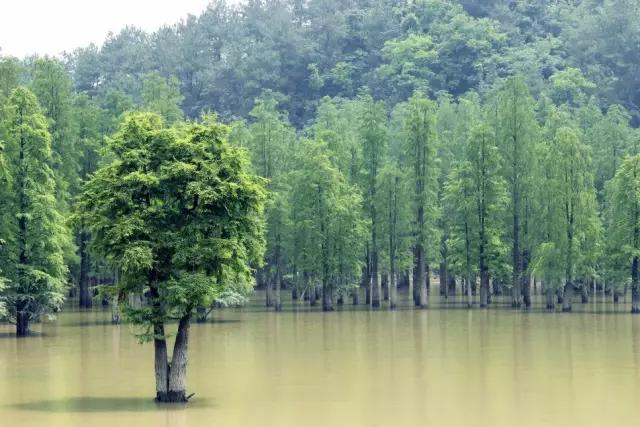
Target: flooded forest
<point>358,213</point>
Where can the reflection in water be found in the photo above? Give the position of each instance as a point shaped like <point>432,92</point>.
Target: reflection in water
<point>350,368</point>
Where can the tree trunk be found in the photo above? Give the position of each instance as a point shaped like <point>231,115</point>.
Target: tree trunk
<point>161,363</point>
<point>411,291</point>
<point>584,293</point>
<point>355,296</point>
<point>568,297</point>
<point>294,293</point>
<point>484,289</point>
<point>526,281</point>
<point>278,301</point>
<point>115,311</point>
<point>386,286</point>
<point>422,284</point>
<point>177,392</point>
<point>551,305</point>
<point>340,301</point>
<point>375,290</point>
<point>312,295</point>
<point>327,297</point>
<point>22,323</point>
<point>85,267</point>
<point>269,286</point>
<point>393,297</point>
<point>635,285</point>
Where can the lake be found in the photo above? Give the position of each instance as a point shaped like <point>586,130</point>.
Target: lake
<point>249,367</point>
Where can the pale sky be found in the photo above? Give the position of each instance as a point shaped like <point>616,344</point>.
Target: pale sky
<point>53,26</point>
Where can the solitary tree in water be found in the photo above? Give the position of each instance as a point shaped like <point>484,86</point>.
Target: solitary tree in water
<point>180,216</point>
<point>35,234</point>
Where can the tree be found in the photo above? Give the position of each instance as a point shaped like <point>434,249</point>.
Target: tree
<point>421,146</point>
<point>373,133</point>
<point>33,257</point>
<point>516,131</point>
<point>54,89</point>
<point>328,218</point>
<point>180,216</point>
<point>624,224</point>
<point>89,120</point>
<point>574,220</point>
<point>490,197</point>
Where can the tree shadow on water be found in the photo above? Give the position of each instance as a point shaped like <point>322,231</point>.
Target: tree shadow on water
<point>105,404</point>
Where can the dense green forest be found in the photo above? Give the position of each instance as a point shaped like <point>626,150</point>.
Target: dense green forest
<point>330,148</point>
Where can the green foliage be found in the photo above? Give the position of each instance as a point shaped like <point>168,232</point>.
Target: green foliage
<point>177,213</point>
<point>162,96</point>
<point>34,232</point>
<point>623,220</point>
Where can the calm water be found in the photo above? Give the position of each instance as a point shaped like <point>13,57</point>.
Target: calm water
<point>352,368</point>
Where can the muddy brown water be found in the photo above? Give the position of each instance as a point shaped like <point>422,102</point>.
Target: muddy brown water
<point>249,367</point>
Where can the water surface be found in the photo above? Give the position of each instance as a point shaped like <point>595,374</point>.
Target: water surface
<point>350,368</point>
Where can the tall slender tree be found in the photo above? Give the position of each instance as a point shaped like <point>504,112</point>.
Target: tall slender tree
<point>33,258</point>
<point>421,145</point>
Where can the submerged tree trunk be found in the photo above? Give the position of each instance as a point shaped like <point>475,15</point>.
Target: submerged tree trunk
<point>635,285</point>
<point>312,295</point>
<point>551,305</point>
<point>375,290</point>
<point>386,286</point>
<point>22,321</point>
<point>269,291</point>
<point>85,266</point>
<point>278,301</point>
<point>526,281</point>
<point>411,288</point>
<point>161,363</point>
<point>393,294</point>
<point>422,283</point>
<point>327,297</point>
<point>171,385</point>
<point>568,297</point>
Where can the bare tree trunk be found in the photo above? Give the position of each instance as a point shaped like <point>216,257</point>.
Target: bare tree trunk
<point>312,295</point>
<point>22,321</point>
<point>85,266</point>
<point>115,311</point>
<point>375,290</point>
<point>386,286</point>
<point>327,297</point>
<point>269,291</point>
<point>393,297</point>
<point>177,392</point>
<point>278,300</point>
<point>635,284</point>
<point>411,289</point>
<point>161,363</point>
<point>422,283</point>
<point>568,297</point>
<point>551,305</point>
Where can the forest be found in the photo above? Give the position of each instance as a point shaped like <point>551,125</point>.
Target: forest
<point>336,150</point>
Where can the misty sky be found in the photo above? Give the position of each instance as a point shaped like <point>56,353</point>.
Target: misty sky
<point>52,26</point>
